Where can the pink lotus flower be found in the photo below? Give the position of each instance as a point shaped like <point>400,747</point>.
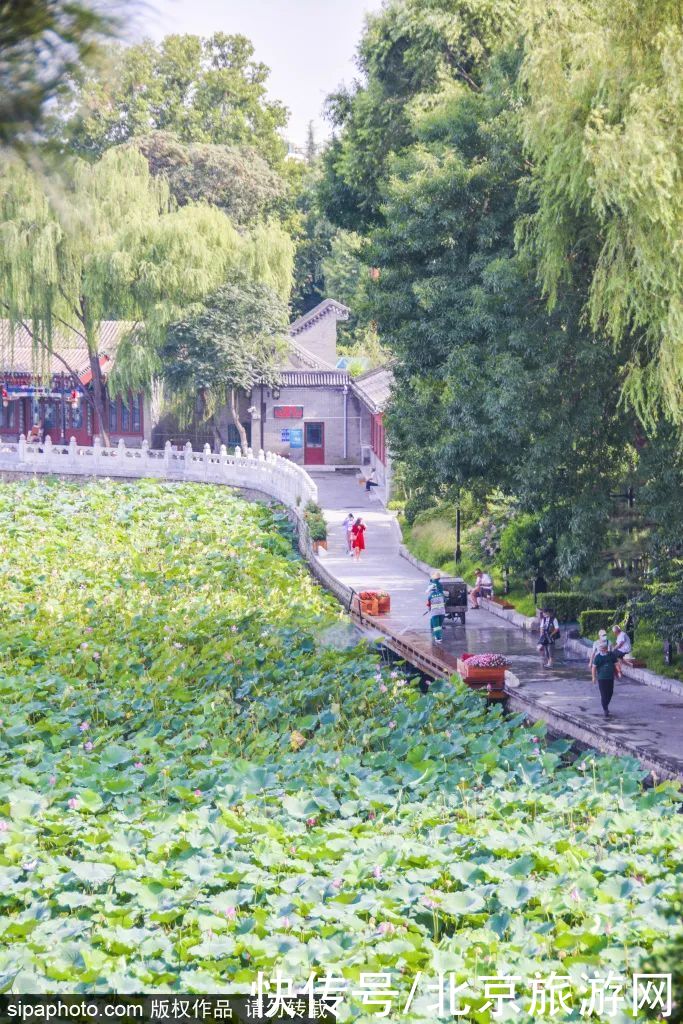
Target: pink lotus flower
<point>393,675</point>
<point>233,629</point>
<point>96,655</point>
<point>88,746</point>
<point>88,629</point>
<point>197,792</point>
<point>84,726</point>
<point>4,826</point>
<point>286,923</point>
<point>230,913</point>
<point>535,739</point>
<point>84,646</point>
<point>431,904</point>
<point>138,764</point>
<point>337,883</point>
<point>52,780</point>
<point>73,802</point>
<point>575,894</point>
<point>178,646</point>
<point>371,815</point>
<point>392,725</point>
<point>386,928</point>
<point>310,822</point>
<point>377,872</point>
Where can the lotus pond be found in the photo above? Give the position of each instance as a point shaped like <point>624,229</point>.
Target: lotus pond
<point>202,775</point>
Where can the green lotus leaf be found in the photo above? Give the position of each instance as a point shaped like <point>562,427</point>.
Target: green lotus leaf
<point>93,872</point>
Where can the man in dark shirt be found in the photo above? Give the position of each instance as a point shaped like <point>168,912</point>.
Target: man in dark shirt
<point>603,673</point>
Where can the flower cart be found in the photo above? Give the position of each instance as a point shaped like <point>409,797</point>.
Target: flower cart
<point>484,672</point>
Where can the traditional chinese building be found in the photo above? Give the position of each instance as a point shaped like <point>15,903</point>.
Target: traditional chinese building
<point>319,415</point>
<point>48,394</point>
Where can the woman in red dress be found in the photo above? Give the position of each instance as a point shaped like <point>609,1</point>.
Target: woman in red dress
<point>358,538</point>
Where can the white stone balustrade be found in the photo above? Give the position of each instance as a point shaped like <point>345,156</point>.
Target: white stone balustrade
<point>265,472</point>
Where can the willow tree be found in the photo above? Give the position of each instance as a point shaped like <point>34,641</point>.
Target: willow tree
<point>107,242</point>
<point>604,130</point>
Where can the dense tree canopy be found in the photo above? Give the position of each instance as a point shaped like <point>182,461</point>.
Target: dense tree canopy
<point>107,243</point>
<point>41,43</point>
<point>237,340</point>
<point>604,129</point>
<point>409,52</point>
<point>492,389</point>
<point>236,179</point>
<point>201,90</point>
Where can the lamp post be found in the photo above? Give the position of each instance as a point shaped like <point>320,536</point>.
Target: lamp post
<point>458,549</point>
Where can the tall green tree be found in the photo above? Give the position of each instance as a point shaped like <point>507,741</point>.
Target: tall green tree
<point>236,179</point>
<point>208,90</point>
<point>492,389</point>
<point>106,242</point>
<point>604,132</point>
<point>235,342</point>
<point>409,51</point>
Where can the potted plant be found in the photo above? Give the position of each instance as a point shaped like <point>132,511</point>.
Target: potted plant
<point>383,602</point>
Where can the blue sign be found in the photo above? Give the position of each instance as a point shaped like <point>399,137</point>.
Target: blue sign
<point>296,439</point>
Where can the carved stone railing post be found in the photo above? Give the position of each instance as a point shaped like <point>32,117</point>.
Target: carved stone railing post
<point>21,448</point>
<point>168,458</point>
<point>73,451</point>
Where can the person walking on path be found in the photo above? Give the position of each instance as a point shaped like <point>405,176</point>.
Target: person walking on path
<point>604,665</point>
<point>348,527</point>
<point>358,538</point>
<point>548,632</point>
<point>436,603</point>
<point>602,635</point>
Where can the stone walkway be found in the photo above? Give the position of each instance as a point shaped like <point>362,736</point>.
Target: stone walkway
<point>645,722</point>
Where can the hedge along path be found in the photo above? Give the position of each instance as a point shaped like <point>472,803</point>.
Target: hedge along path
<point>204,775</point>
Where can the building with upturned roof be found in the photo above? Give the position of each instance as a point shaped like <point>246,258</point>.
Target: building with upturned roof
<point>46,393</point>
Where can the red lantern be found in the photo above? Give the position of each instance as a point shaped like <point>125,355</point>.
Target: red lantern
<point>75,400</point>
<point>5,398</point>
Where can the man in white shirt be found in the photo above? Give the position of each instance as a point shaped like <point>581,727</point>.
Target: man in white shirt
<point>483,587</point>
<point>622,644</point>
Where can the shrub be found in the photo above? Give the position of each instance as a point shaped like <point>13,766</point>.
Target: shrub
<point>525,548</point>
<point>566,605</point>
<point>594,619</point>
<point>315,520</point>
<point>661,603</point>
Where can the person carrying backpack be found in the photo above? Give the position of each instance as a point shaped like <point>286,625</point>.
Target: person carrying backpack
<point>548,633</point>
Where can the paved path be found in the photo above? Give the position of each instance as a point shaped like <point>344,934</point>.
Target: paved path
<point>644,722</point>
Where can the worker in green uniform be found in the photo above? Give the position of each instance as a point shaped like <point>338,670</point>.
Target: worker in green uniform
<point>603,670</point>
<point>436,603</point>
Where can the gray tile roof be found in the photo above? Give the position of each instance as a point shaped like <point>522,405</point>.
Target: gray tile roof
<point>313,378</point>
<point>374,388</point>
<point>19,354</point>
<point>325,308</point>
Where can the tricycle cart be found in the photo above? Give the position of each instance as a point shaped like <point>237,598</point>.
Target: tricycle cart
<point>455,591</point>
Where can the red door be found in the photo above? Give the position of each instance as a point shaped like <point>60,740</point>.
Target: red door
<point>314,444</point>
